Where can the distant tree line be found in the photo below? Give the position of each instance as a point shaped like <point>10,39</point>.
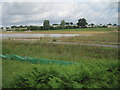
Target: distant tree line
<point>46,26</point>
<point>81,23</point>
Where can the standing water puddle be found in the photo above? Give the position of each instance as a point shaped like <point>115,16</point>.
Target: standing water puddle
<point>5,36</point>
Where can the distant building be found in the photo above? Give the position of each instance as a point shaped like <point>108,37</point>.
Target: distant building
<point>110,26</point>
<point>5,28</point>
<point>55,25</point>
<point>89,25</point>
<point>66,24</point>
<point>74,25</point>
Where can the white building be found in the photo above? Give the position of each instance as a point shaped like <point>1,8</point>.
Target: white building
<point>55,25</point>
<point>5,28</point>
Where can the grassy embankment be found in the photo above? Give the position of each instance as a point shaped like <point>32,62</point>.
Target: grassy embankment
<point>98,66</point>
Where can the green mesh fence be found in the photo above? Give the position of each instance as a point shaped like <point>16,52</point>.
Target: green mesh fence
<point>35,60</point>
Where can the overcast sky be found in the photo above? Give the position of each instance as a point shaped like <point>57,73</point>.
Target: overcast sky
<point>34,13</point>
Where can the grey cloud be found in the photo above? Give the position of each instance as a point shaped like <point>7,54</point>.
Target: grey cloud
<point>25,8</point>
<point>26,13</point>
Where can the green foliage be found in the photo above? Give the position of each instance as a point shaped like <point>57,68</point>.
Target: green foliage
<point>75,28</point>
<point>87,75</point>
<point>46,24</point>
<point>82,23</point>
<point>62,24</point>
<point>32,28</point>
<point>54,40</point>
<point>67,28</point>
<point>98,66</point>
<point>63,52</point>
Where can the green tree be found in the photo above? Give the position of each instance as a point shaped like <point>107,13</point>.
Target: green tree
<point>82,23</point>
<point>62,24</point>
<point>46,24</point>
<point>2,28</point>
<point>13,26</point>
<point>115,24</point>
<point>92,24</point>
<point>109,24</point>
<point>67,23</point>
<point>21,26</point>
<point>71,23</point>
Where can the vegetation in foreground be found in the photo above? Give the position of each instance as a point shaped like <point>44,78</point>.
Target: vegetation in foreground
<point>59,52</point>
<point>97,74</point>
<point>98,66</point>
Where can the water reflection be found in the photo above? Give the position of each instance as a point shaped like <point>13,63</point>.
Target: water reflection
<point>41,35</point>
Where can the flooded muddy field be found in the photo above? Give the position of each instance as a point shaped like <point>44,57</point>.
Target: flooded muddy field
<point>5,36</point>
